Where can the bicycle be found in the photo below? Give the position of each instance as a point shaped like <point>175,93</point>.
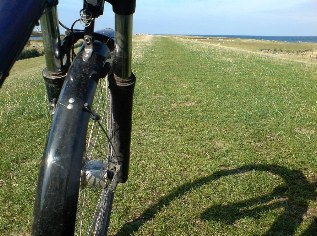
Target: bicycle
<point>90,97</point>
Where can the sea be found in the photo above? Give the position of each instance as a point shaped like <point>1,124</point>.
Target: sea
<point>290,39</point>
<point>35,38</point>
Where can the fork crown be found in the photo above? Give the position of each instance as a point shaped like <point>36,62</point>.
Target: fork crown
<point>123,7</point>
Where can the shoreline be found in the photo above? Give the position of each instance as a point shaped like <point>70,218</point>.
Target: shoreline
<point>288,39</point>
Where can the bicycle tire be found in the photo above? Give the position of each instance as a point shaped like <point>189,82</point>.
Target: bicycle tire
<point>59,198</point>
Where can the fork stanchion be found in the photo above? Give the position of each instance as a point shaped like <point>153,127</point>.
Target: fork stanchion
<point>54,74</point>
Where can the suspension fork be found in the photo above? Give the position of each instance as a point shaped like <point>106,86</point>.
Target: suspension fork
<point>54,74</point>
<point>122,83</point>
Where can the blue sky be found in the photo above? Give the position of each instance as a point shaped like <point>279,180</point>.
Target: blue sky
<point>214,17</point>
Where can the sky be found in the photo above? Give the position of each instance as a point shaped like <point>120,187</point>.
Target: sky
<point>212,17</point>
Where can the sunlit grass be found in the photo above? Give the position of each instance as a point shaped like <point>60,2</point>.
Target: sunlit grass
<point>23,127</point>
<point>224,143</point>
<point>304,52</point>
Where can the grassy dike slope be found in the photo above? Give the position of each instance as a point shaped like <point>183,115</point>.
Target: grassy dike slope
<point>23,127</point>
<point>224,143</point>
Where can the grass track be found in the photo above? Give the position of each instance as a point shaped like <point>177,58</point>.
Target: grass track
<point>224,143</point>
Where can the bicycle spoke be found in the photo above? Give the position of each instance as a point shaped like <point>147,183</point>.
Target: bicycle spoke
<point>93,200</point>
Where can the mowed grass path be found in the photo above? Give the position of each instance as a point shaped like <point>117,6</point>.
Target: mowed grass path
<point>224,143</point>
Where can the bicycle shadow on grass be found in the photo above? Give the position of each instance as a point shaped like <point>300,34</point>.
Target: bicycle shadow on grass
<point>293,196</point>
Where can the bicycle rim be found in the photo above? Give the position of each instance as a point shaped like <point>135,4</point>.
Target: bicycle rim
<point>95,198</point>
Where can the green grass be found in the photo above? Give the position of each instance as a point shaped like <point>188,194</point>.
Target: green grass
<point>224,143</point>
<point>23,127</point>
<point>294,51</point>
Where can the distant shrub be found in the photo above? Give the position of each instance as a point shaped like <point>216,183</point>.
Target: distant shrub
<point>30,53</point>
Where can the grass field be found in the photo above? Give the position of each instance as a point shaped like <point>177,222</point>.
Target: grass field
<point>293,51</point>
<point>224,140</point>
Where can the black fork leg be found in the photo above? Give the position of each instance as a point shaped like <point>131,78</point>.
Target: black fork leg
<point>122,86</point>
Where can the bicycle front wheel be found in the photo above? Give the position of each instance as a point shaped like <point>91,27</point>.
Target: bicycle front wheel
<point>78,172</point>
<point>100,168</point>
